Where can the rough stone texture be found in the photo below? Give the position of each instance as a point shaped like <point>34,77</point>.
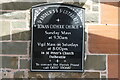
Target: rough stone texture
<point>74,75</point>
<point>13,15</point>
<point>19,24</point>
<point>81,4</point>
<point>37,74</point>
<point>95,62</point>
<point>9,62</point>
<point>5,30</point>
<point>6,75</point>
<point>113,66</point>
<point>103,39</point>
<point>103,77</point>
<point>20,5</point>
<point>95,8</point>
<point>64,75</point>
<point>95,1</point>
<point>14,48</point>
<point>19,74</point>
<point>24,64</point>
<point>110,12</point>
<point>89,18</point>
<point>21,35</point>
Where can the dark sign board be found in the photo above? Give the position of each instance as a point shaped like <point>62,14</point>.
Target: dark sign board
<point>57,38</point>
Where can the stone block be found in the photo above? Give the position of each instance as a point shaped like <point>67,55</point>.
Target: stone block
<point>24,64</point>
<point>19,74</point>
<point>20,35</point>
<point>13,15</point>
<point>103,39</point>
<point>110,12</point>
<point>95,8</point>
<point>6,75</point>
<point>113,66</point>
<point>91,17</point>
<point>5,30</point>
<point>16,48</point>
<point>37,74</point>
<point>21,5</point>
<point>19,24</point>
<point>95,62</point>
<point>9,62</point>
<point>103,77</point>
<point>74,75</point>
<point>95,1</point>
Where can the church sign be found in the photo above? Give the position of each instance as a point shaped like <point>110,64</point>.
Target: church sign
<point>57,38</point>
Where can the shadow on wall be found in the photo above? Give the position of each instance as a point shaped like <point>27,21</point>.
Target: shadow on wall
<point>97,43</point>
<point>116,4</point>
<point>23,36</point>
<point>101,44</point>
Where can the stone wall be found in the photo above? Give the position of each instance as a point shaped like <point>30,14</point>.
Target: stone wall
<point>102,53</point>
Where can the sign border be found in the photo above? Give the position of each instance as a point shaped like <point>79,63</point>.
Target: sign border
<point>83,47</point>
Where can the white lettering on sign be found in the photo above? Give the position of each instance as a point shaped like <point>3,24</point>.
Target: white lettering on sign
<point>53,11</point>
